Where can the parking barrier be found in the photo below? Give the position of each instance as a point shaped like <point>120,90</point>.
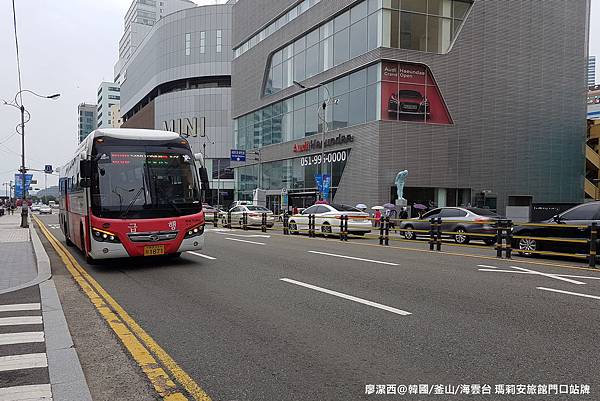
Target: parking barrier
<point>593,245</point>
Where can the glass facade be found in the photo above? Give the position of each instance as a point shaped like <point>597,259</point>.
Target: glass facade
<point>355,99</point>
<point>423,25</point>
<point>296,175</point>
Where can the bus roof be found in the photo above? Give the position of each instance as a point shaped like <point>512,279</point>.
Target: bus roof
<point>135,133</point>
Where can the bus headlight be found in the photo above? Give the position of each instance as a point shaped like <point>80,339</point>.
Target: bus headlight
<point>104,236</point>
<point>194,231</point>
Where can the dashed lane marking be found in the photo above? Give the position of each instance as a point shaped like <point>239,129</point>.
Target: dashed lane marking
<point>243,240</point>
<point>578,294</point>
<point>354,258</point>
<point>243,235</point>
<point>348,297</point>
<point>201,255</point>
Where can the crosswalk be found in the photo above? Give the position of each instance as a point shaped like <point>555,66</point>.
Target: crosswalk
<point>23,361</point>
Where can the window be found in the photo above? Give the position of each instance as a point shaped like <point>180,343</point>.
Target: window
<point>452,213</point>
<point>322,209</point>
<point>311,210</point>
<point>188,44</point>
<point>219,40</point>
<point>584,212</point>
<point>202,42</point>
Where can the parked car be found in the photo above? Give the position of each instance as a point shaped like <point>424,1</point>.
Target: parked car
<point>408,102</point>
<point>35,207</point>
<point>327,219</point>
<point>254,214</point>
<point>461,221</point>
<point>209,212</point>
<point>570,224</point>
<point>45,209</point>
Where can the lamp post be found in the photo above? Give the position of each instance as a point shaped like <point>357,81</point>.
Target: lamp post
<point>23,170</point>
<point>325,129</point>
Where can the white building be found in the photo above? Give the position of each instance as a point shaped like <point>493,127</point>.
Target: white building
<point>591,71</point>
<point>139,19</point>
<point>115,116</point>
<point>109,95</point>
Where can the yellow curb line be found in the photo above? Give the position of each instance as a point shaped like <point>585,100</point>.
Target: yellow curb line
<point>121,323</point>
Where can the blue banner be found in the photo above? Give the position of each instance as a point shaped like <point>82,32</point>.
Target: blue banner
<point>19,184</point>
<point>326,186</point>
<point>319,182</point>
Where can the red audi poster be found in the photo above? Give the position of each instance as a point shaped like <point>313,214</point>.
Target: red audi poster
<point>409,93</point>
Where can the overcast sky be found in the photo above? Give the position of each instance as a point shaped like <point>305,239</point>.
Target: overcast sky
<point>70,46</point>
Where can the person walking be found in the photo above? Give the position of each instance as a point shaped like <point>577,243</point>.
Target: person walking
<point>377,217</point>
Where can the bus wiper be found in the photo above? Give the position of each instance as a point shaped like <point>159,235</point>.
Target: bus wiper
<point>136,196</point>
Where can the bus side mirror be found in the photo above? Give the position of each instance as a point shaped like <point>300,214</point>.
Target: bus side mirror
<point>85,169</point>
<point>204,178</point>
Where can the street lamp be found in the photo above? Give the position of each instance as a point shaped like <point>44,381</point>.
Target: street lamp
<point>325,129</point>
<point>23,170</point>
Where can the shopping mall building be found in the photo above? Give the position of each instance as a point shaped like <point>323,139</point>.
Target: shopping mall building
<point>481,101</point>
<point>179,79</point>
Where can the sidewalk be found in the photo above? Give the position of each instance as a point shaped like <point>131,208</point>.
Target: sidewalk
<point>37,357</point>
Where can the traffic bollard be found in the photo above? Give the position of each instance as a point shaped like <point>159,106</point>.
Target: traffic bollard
<point>381,231</point>
<point>229,220</point>
<point>439,234</point>
<point>216,221</point>
<point>245,221</point>
<point>508,252</point>
<point>432,234</point>
<point>346,228</point>
<point>499,238</point>
<point>387,232</point>
<point>263,225</point>
<point>286,221</point>
<point>593,245</point>
<point>341,227</point>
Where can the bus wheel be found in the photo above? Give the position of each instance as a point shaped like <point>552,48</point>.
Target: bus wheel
<point>67,240</point>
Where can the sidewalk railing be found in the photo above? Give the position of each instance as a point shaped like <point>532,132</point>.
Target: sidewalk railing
<point>497,232</point>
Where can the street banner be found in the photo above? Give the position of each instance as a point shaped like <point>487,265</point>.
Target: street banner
<point>326,186</point>
<point>319,182</point>
<point>19,184</point>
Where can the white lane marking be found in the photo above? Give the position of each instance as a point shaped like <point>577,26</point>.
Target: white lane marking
<point>19,307</point>
<point>40,392</point>
<point>569,293</point>
<point>19,320</point>
<point>549,275</point>
<point>201,255</point>
<point>354,258</point>
<point>487,266</point>
<point>243,240</point>
<point>243,236</point>
<point>22,338</point>
<point>25,361</point>
<point>559,275</point>
<point>349,297</point>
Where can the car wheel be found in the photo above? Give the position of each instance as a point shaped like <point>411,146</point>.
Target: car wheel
<point>409,234</point>
<point>460,236</point>
<point>527,244</point>
<point>293,227</point>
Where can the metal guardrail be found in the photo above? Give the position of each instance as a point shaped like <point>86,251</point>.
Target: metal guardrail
<point>502,233</point>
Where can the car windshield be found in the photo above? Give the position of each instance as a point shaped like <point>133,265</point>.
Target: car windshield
<point>482,212</point>
<point>144,182</point>
<point>257,209</point>
<point>410,94</point>
<point>345,208</point>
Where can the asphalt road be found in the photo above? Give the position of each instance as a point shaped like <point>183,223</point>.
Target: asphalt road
<point>244,333</point>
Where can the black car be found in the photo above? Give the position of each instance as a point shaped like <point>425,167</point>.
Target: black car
<point>408,102</point>
<point>573,224</point>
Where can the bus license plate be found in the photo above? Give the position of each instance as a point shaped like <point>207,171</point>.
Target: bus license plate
<point>154,250</point>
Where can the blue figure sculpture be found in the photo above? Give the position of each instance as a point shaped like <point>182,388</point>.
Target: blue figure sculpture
<point>400,180</point>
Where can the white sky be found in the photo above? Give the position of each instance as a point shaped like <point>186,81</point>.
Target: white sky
<point>70,46</point>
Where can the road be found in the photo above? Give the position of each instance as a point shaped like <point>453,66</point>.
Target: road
<point>259,316</point>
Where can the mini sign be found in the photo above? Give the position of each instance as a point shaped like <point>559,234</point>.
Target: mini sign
<point>48,169</point>
<point>238,155</point>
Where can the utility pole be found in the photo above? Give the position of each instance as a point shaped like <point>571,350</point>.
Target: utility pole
<point>24,205</point>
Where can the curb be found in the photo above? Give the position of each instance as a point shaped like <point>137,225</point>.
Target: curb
<point>66,375</point>
<point>42,262</point>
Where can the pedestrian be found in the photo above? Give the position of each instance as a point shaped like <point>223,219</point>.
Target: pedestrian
<point>295,210</point>
<point>377,217</point>
<point>403,214</point>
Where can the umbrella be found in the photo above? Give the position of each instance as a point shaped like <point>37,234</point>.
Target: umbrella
<point>389,206</point>
<point>361,206</point>
<point>419,206</point>
<point>377,208</point>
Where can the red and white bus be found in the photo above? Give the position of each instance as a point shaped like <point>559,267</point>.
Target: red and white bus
<point>133,192</point>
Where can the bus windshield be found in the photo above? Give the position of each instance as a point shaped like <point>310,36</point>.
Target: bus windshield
<point>146,181</point>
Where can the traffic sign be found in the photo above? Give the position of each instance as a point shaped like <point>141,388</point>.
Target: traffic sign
<point>48,169</point>
<point>238,155</point>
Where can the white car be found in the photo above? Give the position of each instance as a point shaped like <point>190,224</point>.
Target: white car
<point>35,207</point>
<point>44,209</point>
<point>327,219</point>
<point>254,214</point>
